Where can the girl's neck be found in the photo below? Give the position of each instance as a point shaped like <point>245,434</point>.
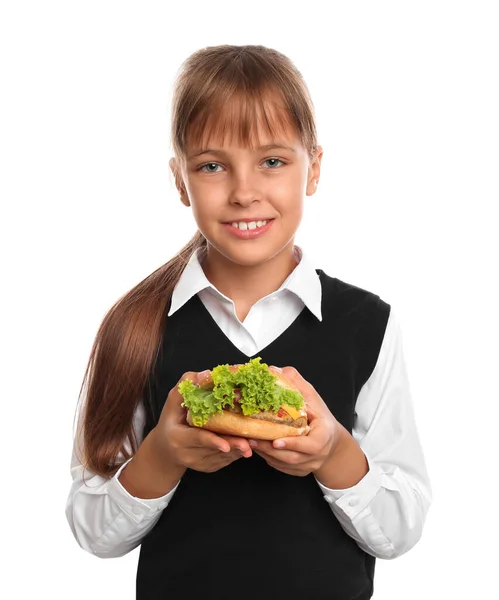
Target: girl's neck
<point>245,285</point>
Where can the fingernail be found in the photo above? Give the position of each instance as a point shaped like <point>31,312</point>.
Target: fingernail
<point>252,443</point>
<point>279,444</point>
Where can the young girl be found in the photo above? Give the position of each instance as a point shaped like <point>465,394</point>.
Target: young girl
<point>226,517</point>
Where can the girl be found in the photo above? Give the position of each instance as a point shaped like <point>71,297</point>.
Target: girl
<point>222,516</point>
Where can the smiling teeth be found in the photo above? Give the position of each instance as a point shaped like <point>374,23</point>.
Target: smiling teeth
<point>253,225</point>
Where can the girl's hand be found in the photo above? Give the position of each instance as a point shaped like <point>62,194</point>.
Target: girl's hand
<point>305,454</point>
<point>193,447</point>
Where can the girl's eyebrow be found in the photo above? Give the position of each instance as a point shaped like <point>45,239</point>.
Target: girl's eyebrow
<point>222,152</point>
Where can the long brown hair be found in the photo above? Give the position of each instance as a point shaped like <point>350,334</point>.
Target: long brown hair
<point>210,82</point>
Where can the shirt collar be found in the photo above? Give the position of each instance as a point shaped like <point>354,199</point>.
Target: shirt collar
<point>303,282</point>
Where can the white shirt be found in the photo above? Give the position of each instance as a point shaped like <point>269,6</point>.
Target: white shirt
<point>384,512</point>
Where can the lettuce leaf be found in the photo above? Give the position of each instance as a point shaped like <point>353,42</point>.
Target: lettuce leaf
<point>258,392</point>
<point>201,403</point>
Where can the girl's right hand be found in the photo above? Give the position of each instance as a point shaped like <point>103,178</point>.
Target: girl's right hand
<point>193,447</point>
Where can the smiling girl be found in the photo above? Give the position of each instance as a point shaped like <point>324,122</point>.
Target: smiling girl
<point>222,516</point>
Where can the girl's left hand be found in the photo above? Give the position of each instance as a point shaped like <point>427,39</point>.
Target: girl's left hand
<point>301,455</point>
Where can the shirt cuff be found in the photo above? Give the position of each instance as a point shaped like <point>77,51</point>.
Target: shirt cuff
<point>136,508</point>
<point>354,500</point>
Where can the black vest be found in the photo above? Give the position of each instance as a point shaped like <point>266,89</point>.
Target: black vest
<point>249,531</point>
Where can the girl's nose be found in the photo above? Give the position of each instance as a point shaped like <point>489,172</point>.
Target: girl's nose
<point>244,192</point>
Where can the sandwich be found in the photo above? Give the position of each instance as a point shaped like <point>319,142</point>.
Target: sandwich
<point>249,400</point>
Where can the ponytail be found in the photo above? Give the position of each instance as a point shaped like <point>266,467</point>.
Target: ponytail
<point>121,360</point>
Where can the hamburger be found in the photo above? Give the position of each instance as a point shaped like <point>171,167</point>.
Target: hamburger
<point>250,400</point>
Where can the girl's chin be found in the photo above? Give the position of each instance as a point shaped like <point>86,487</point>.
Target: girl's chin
<point>250,255</point>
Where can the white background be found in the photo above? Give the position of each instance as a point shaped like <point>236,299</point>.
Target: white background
<point>407,103</point>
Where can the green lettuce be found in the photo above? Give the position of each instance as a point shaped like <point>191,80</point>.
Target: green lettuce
<point>258,392</point>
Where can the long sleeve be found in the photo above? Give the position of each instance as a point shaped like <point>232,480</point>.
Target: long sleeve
<point>386,510</point>
<point>104,518</point>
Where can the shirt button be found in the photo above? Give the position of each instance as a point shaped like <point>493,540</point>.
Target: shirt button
<point>136,510</point>
<point>353,501</point>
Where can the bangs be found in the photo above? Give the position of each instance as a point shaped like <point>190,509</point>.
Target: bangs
<point>242,118</point>
<point>243,95</point>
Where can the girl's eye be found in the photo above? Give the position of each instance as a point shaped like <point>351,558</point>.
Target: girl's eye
<point>274,160</point>
<point>209,170</point>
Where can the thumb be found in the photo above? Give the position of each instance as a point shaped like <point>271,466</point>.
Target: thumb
<point>306,389</point>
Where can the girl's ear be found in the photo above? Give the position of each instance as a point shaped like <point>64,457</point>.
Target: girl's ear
<point>179,182</point>
<point>314,171</point>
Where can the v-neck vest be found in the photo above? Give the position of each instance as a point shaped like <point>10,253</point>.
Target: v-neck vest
<point>249,531</point>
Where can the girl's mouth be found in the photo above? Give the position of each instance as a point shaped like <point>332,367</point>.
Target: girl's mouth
<point>248,231</point>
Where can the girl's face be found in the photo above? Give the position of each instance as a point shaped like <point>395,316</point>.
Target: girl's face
<point>227,183</point>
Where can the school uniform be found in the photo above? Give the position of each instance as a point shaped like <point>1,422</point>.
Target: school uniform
<point>267,532</point>
<point>248,530</point>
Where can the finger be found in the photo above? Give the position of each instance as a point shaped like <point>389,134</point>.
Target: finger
<point>226,459</point>
<point>237,442</point>
<point>304,386</point>
<point>234,455</point>
<point>311,444</point>
<point>312,399</point>
<point>308,445</point>
<point>202,438</point>
<point>315,405</point>
<point>194,376</point>
<point>268,450</point>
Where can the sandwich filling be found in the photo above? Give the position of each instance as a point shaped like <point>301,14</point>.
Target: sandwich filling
<point>251,390</point>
